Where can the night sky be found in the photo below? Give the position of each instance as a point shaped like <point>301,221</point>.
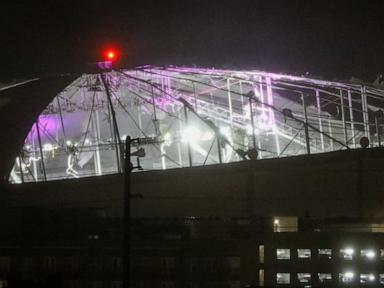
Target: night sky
<point>332,39</point>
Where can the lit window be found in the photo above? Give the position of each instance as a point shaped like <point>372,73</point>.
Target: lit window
<point>261,277</point>
<point>261,253</point>
<point>381,278</point>
<point>346,277</point>
<point>283,254</point>
<point>347,253</point>
<point>368,254</point>
<point>304,277</point>
<point>285,224</point>
<point>377,228</point>
<point>382,254</point>
<point>304,253</point>
<point>325,253</point>
<point>367,278</point>
<point>283,278</point>
<point>325,277</point>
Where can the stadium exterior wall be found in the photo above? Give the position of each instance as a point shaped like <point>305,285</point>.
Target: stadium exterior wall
<point>344,183</point>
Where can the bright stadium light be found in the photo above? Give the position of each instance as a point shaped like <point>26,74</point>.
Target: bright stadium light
<point>349,251</point>
<point>48,147</point>
<point>370,254</point>
<point>190,135</point>
<point>349,275</point>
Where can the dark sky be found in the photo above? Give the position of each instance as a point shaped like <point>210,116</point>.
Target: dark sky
<point>326,38</point>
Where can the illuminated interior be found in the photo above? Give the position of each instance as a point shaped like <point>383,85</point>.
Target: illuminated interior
<point>192,117</point>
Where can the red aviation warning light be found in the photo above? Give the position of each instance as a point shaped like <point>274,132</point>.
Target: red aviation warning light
<point>110,57</point>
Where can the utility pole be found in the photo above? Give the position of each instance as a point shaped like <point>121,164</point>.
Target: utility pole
<point>127,215</point>
<point>128,167</point>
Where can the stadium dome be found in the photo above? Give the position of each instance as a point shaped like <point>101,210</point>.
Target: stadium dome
<point>191,117</point>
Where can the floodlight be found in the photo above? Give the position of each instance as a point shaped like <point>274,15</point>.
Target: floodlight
<point>370,254</point>
<point>190,135</point>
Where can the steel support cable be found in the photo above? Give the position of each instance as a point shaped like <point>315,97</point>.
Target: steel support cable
<point>149,83</point>
<point>90,118</point>
<point>263,74</point>
<point>149,102</point>
<point>354,87</point>
<point>378,97</point>
<point>209,151</point>
<point>258,73</point>
<point>116,134</point>
<point>29,170</point>
<point>316,87</point>
<point>48,134</point>
<point>188,105</point>
<point>142,131</point>
<point>277,110</point>
<point>290,141</point>
<point>61,118</point>
<point>219,88</point>
<point>222,89</point>
<point>257,82</point>
<point>222,105</point>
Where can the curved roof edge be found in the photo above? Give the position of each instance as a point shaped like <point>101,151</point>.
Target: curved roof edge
<point>25,101</point>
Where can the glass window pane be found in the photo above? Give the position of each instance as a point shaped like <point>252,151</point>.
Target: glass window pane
<point>282,254</point>
<point>367,278</point>
<point>325,277</point>
<point>369,254</point>
<point>304,277</point>
<point>304,253</point>
<point>283,278</point>
<point>325,253</point>
<point>347,253</point>
<point>346,277</point>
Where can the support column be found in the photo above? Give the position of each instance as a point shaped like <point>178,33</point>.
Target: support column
<point>351,118</point>
<point>188,144</point>
<point>320,120</point>
<point>343,117</point>
<point>307,140</point>
<point>330,133</point>
<point>230,102</point>
<point>96,133</point>
<point>127,215</point>
<point>271,118</point>
<point>21,168</point>
<point>41,149</point>
<point>252,123</point>
<point>365,111</point>
<point>116,134</point>
<point>378,130</point>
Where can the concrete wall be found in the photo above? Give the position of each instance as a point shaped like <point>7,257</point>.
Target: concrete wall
<point>345,183</point>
